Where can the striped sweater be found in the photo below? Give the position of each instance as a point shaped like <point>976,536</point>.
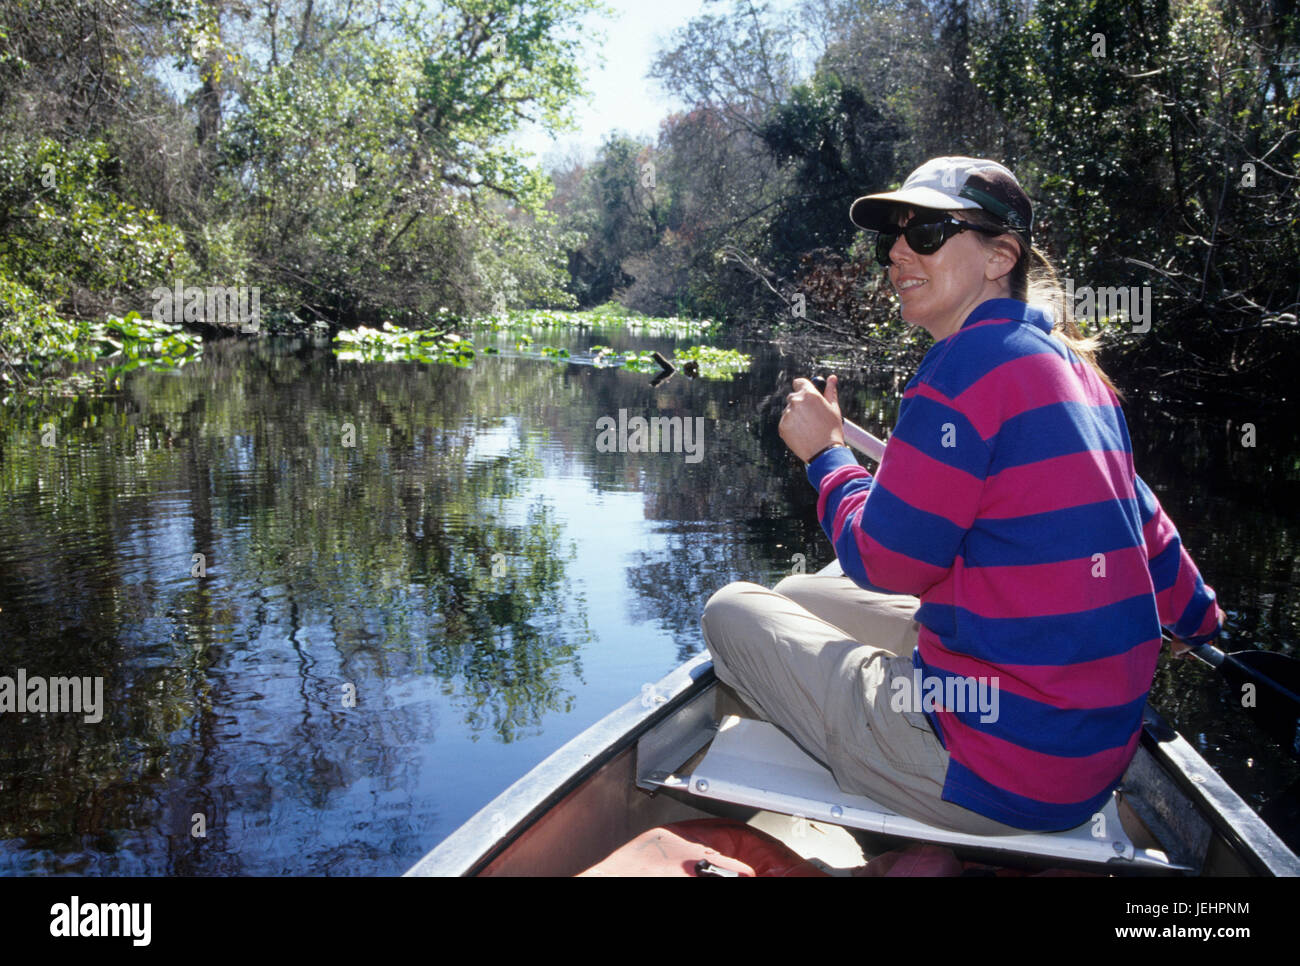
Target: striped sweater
<point>1007,502</point>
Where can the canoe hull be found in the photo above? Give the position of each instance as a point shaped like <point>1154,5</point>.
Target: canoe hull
<point>583,802</point>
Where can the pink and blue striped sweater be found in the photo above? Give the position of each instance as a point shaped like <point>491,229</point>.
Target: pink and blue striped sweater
<point>1007,502</point>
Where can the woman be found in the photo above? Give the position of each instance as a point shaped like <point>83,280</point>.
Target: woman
<point>984,664</point>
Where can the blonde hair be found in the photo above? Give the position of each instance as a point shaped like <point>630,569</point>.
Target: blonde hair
<point>1034,280</point>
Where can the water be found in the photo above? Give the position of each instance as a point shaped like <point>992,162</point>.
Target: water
<point>389,633</point>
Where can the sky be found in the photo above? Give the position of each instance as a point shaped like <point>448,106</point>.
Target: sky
<point>622,98</point>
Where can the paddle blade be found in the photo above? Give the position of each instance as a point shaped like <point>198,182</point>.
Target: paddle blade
<point>1269,687</point>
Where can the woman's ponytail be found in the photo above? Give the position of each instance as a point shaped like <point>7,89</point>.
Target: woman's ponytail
<point>1034,280</point>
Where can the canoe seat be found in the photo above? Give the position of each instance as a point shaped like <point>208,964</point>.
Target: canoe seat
<point>753,763</point>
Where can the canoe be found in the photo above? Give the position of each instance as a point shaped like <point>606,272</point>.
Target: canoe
<point>679,751</point>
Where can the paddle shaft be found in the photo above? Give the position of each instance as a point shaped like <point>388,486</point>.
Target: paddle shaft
<point>1276,693</point>
<point>862,441</point>
<point>855,435</point>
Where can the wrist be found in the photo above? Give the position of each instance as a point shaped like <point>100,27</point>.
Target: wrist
<point>825,449</point>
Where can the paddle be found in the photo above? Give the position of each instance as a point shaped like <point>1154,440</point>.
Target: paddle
<point>1269,687</point>
<point>855,435</point>
<point>1267,683</point>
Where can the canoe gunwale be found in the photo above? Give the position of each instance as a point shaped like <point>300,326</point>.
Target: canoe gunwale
<point>1229,815</point>
<point>494,828</point>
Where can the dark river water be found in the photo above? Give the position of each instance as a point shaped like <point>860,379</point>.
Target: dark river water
<point>416,582</point>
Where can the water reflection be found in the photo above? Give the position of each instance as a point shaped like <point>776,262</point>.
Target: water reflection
<point>292,577</point>
<point>420,580</point>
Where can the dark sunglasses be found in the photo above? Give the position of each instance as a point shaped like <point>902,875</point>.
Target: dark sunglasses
<point>925,235</point>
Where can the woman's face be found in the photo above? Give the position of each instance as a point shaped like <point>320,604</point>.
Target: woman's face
<point>937,292</point>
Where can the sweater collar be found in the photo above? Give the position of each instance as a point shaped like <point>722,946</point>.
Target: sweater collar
<point>1010,309</point>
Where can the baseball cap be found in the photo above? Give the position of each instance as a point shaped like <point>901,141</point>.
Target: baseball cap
<point>947,184</point>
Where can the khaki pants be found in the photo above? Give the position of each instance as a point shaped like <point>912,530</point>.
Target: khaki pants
<point>816,657</point>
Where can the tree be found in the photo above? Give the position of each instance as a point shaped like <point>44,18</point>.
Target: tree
<point>834,142</point>
<point>611,205</point>
<point>740,64</point>
<point>366,163</point>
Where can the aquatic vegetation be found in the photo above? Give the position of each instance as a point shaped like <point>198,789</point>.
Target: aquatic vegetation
<point>702,361</point>
<point>604,357</point>
<point>393,344</point>
<point>41,356</point>
<point>714,363</point>
<point>133,342</point>
<point>639,362</point>
<point>518,320</point>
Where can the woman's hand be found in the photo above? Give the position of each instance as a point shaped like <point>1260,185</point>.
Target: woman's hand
<point>1177,648</point>
<point>811,421</point>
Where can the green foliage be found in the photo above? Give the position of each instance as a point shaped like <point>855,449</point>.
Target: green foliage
<point>521,261</point>
<point>355,175</point>
<point>721,211</point>
<point>624,321</point>
<point>1139,122</point>
<point>38,347</point>
<point>713,363</point>
<point>134,342</point>
<point>708,362</point>
<point>1098,140</point>
<point>65,230</point>
<point>490,65</point>
<point>638,362</point>
<point>31,331</point>
<point>612,216</point>
<point>352,158</point>
<point>833,140</point>
<point>70,246</point>
<point>391,344</point>
<point>380,189</point>
<point>610,309</point>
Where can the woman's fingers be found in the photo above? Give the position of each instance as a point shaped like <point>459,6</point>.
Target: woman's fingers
<point>833,390</point>
<point>810,422</point>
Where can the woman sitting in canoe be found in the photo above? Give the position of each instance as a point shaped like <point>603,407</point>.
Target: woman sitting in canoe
<point>1010,695</point>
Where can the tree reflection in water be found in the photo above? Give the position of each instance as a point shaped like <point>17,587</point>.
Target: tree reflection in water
<point>470,569</point>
